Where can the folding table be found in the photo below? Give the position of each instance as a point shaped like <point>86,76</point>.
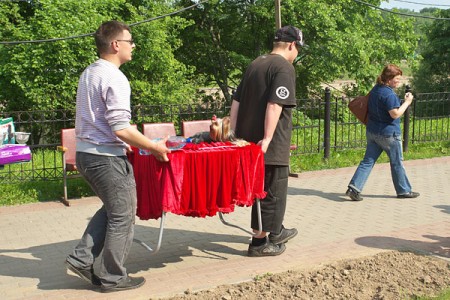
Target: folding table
<point>199,180</point>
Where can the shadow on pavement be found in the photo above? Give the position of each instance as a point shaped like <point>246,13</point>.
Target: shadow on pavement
<point>47,262</point>
<point>338,197</point>
<point>444,208</point>
<point>438,245</point>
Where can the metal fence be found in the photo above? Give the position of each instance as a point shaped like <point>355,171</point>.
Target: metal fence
<point>320,125</point>
<point>324,125</point>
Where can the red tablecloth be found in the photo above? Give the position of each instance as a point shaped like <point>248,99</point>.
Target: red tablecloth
<point>199,180</point>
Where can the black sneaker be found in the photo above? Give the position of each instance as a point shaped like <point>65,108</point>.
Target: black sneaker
<point>354,195</point>
<point>268,249</point>
<point>409,195</point>
<point>86,274</point>
<point>284,236</point>
<point>128,283</point>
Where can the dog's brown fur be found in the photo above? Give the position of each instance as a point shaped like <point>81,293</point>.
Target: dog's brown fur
<point>219,131</point>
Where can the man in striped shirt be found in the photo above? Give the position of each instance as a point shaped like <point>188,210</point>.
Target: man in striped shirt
<point>104,134</point>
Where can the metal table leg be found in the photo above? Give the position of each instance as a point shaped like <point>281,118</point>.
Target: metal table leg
<point>158,246</point>
<point>258,208</point>
<point>163,218</point>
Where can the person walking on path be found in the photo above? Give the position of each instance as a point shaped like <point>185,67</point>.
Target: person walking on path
<point>103,134</point>
<point>383,134</point>
<point>261,113</point>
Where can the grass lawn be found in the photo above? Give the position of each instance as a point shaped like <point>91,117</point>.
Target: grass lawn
<point>39,191</point>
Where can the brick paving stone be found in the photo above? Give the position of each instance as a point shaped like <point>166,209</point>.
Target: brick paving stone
<point>200,253</point>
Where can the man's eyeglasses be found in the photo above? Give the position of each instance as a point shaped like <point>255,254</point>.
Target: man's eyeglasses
<point>131,42</point>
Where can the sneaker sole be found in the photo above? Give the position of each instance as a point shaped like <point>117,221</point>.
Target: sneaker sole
<point>257,254</point>
<point>116,289</point>
<point>406,197</point>
<point>284,240</point>
<point>77,272</point>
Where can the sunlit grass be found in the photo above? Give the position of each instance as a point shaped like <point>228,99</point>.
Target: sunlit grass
<point>348,158</point>
<point>444,295</point>
<point>38,191</point>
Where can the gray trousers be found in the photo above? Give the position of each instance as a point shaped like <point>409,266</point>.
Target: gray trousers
<point>273,207</point>
<point>111,229</point>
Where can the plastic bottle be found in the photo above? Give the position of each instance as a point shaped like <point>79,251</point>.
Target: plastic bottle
<point>144,152</point>
<point>175,142</point>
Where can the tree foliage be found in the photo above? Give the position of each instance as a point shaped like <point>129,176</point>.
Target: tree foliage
<point>344,37</point>
<point>224,37</point>
<point>45,75</point>
<point>433,72</point>
<point>206,46</point>
<point>155,74</point>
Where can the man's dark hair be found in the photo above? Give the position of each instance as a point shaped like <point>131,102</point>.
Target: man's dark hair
<point>107,32</point>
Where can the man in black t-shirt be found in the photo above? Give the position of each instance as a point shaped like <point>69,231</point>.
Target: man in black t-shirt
<point>261,113</point>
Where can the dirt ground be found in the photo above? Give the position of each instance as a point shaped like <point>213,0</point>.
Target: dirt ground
<point>389,275</point>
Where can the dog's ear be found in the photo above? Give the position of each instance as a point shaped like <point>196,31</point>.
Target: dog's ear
<point>220,129</point>
<point>214,131</point>
<point>226,129</point>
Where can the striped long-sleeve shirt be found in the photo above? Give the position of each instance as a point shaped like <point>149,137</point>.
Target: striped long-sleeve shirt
<point>103,106</point>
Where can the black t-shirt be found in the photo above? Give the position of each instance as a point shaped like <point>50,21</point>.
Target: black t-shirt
<point>269,78</point>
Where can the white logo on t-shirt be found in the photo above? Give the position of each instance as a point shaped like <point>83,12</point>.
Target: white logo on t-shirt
<point>282,92</point>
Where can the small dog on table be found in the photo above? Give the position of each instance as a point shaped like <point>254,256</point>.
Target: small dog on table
<point>219,131</point>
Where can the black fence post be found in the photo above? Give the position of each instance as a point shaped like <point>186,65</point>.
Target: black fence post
<point>327,123</point>
<point>406,124</point>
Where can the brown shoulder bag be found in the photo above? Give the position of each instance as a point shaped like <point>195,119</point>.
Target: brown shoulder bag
<point>359,107</point>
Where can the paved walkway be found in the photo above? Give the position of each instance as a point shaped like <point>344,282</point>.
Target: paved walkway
<point>202,253</point>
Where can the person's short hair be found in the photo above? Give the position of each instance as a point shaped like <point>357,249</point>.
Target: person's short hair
<point>389,72</point>
<point>280,45</point>
<point>289,34</point>
<point>107,32</point>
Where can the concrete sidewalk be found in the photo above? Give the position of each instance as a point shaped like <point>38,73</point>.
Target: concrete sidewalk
<point>200,253</point>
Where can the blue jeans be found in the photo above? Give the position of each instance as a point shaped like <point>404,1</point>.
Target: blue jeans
<point>376,144</point>
<point>111,229</point>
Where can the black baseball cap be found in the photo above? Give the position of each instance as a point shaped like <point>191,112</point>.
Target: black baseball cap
<point>288,34</point>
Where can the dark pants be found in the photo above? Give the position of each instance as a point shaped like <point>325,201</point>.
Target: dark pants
<point>273,207</point>
<point>111,229</point>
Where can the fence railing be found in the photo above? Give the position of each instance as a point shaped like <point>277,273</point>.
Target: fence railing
<point>320,125</point>
<point>323,125</point>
